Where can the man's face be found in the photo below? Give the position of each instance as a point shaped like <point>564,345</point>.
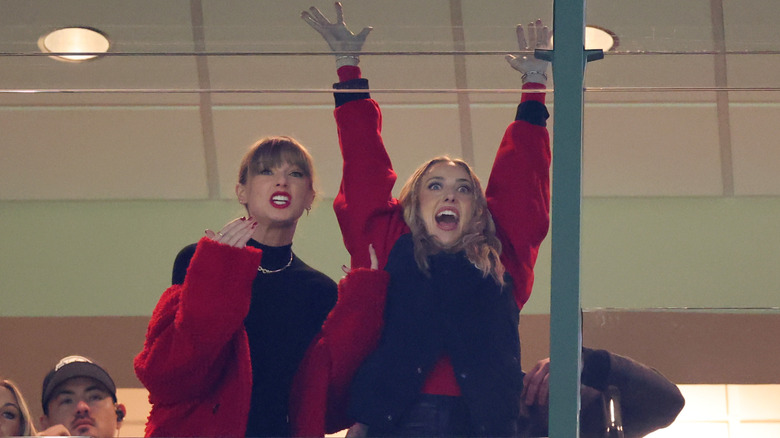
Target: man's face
<point>85,407</point>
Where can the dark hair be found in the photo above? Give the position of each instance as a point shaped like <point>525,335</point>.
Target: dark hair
<point>479,236</point>
<point>70,367</point>
<point>271,152</point>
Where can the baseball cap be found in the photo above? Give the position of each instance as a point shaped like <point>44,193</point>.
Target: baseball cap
<point>70,367</point>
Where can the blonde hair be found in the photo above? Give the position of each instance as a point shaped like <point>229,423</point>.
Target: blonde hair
<point>28,428</point>
<point>479,239</point>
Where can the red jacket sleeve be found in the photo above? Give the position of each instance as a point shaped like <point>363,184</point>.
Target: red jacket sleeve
<point>191,329</point>
<point>351,331</point>
<point>518,195</point>
<point>366,211</point>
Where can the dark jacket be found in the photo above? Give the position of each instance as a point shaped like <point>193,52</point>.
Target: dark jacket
<point>454,311</point>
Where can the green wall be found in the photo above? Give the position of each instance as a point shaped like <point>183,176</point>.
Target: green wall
<point>114,257</point>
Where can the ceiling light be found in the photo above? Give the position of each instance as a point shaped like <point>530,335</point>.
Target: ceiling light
<point>600,38</point>
<point>74,44</point>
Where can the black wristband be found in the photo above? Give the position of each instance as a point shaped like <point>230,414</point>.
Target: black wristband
<point>532,112</point>
<point>354,84</point>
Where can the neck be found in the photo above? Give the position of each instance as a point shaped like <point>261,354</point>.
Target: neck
<point>274,235</point>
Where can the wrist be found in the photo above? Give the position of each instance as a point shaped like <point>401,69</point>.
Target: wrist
<point>342,60</point>
<point>533,91</point>
<point>348,73</point>
<point>538,77</point>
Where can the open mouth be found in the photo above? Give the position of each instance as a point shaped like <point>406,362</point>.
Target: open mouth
<point>280,200</point>
<point>447,219</point>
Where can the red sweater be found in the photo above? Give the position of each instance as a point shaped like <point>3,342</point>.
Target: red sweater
<point>196,364</point>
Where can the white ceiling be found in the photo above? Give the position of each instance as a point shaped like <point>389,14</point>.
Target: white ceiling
<point>687,106</point>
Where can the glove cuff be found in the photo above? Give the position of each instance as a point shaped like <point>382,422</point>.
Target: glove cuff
<point>538,77</point>
<point>342,60</point>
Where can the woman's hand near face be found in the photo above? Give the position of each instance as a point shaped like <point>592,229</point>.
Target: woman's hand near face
<point>236,233</point>
<point>371,255</point>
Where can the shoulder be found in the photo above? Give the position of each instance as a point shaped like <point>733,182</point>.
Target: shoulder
<point>312,276</point>
<point>182,262</point>
<point>402,252</point>
<point>403,244</point>
<point>187,252</point>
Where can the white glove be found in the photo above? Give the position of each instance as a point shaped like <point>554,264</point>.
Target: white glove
<point>539,37</point>
<point>341,40</point>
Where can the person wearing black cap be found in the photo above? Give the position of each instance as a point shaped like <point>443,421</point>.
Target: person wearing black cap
<point>79,398</point>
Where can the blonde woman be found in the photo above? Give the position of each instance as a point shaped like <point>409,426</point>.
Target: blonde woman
<point>14,416</point>
<point>460,259</point>
<point>226,339</point>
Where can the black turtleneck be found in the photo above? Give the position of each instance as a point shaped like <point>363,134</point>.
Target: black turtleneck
<point>287,310</point>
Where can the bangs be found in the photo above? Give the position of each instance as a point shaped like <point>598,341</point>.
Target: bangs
<point>272,152</point>
<point>278,153</point>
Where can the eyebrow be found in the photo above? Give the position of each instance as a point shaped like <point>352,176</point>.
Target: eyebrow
<point>440,178</point>
<point>13,405</point>
<point>88,389</point>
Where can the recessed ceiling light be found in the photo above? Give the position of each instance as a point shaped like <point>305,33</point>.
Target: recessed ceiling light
<point>74,43</point>
<point>600,38</point>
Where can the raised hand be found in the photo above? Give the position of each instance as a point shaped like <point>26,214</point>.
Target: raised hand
<point>342,41</point>
<point>236,233</point>
<point>536,36</point>
<point>371,255</point>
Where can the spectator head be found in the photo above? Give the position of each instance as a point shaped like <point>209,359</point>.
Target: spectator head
<point>14,416</point>
<point>80,395</point>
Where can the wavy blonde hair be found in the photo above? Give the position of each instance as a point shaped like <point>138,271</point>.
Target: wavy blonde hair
<point>479,239</point>
<point>28,428</point>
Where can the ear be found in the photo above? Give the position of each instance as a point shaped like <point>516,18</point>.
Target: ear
<point>310,198</point>
<point>121,412</point>
<point>120,408</point>
<point>44,420</point>
<point>241,193</point>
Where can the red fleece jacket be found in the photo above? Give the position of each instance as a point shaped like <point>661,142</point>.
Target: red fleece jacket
<point>196,364</point>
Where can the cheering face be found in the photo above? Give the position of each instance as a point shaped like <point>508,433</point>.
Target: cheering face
<point>10,414</point>
<point>277,196</point>
<point>446,197</point>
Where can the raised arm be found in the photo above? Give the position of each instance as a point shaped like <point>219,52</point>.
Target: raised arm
<point>365,208</point>
<point>518,191</point>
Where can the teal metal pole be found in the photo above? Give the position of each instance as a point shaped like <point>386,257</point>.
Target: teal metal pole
<point>565,311</point>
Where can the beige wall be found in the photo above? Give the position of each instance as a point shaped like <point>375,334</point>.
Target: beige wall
<point>114,258</point>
